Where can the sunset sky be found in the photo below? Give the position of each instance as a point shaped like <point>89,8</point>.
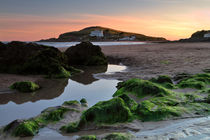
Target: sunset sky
<point>30,20</point>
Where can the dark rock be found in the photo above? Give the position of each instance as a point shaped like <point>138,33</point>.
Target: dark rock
<point>31,58</point>
<point>85,53</point>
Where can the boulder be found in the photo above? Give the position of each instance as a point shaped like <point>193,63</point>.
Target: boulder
<point>87,54</point>
<point>25,86</point>
<point>31,58</point>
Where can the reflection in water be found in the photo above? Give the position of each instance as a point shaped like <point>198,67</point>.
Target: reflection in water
<point>87,76</point>
<point>51,88</point>
<point>53,93</point>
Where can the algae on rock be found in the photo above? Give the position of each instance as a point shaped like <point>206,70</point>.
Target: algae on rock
<point>25,86</point>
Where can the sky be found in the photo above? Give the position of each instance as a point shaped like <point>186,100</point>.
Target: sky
<point>31,20</point>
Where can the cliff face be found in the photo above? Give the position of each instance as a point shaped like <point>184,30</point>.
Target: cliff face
<point>98,33</point>
<point>199,36</point>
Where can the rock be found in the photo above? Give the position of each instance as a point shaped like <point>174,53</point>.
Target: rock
<point>20,128</point>
<point>31,58</point>
<point>88,137</point>
<point>25,86</point>
<point>87,54</point>
<point>118,136</point>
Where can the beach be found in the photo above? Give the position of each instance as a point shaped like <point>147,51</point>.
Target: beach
<point>131,61</point>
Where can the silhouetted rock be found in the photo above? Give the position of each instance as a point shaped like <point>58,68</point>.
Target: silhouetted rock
<point>31,58</point>
<point>87,54</point>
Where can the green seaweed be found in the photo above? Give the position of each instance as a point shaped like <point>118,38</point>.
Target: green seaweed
<point>148,111</point>
<point>83,101</point>
<point>26,128</point>
<point>197,81</point>
<point>111,111</point>
<point>25,86</point>
<point>141,88</point>
<point>73,102</point>
<point>129,102</point>
<point>55,115</point>
<point>117,136</point>
<point>70,128</point>
<point>88,137</point>
<point>162,79</point>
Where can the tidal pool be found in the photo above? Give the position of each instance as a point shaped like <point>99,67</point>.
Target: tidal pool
<point>22,106</point>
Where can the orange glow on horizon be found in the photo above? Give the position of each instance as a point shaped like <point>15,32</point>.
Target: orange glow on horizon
<point>33,28</point>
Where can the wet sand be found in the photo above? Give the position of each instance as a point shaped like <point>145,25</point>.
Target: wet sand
<point>149,60</point>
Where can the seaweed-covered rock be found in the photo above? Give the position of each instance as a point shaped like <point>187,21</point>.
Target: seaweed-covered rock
<point>181,76</point>
<point>162,79</point>
<point>197,81</point>
<point>88,137</point>
<point>141,88</point>
<point>165,81</point>
<point>25,86</point>
<point>83,102</point>
<point>117,136</point>
<point>20,128</point>
<point>149,111</point>
<point>30,58</point>
<point>111,111</point>
<point>85,53</point>
<point>104,112</point>
<point>55,115</point>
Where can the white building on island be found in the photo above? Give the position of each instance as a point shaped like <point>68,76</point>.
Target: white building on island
<point>97,33</point>
<point>207,35</point>
<point>128,38</point>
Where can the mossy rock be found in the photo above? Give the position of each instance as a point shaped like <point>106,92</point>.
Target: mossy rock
<point>181,76</point>
<point>109,112</point>
<point>118,136</point>
<point>141,88</point>
<point>129,102</point>
<point>162,79</point>
<point>23,128</point>
<point>83,101</point>
<point>88,137</point>
<point>54,115</point>
<point>25,86</point>
<point>198,81</point>
<point>165,81</point>
<point>70,128</point>
<point>148,111</point>
<point>72,102</point>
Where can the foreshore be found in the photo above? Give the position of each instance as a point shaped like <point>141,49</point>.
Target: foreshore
<point>149,60</point>
<point>145,61</point>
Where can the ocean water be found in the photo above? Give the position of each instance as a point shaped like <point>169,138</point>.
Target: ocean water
<point>69,44</point>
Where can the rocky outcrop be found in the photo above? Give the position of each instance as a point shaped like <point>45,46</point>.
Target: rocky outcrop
<point>87,54</point>
<point>30,58</point>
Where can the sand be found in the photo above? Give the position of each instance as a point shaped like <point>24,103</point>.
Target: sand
<point>149,60</point>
